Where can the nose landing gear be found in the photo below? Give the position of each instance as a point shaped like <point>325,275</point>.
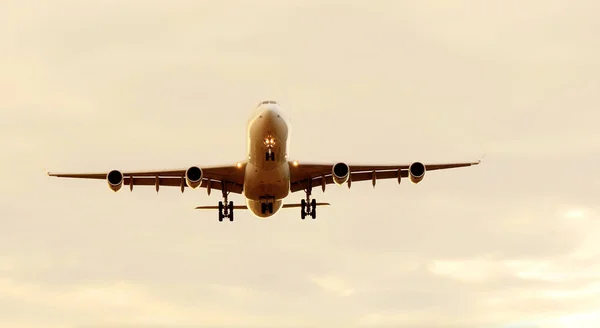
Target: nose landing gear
<point>270,155</point>
<point>266,205</point>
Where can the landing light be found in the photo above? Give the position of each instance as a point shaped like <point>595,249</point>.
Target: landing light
<point>295,163</point>
<point>239,165</point>
<point>269,141</point>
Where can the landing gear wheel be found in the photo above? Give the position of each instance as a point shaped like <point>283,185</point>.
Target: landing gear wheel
<point>303,209</point>
<point>270,208</point>
<point>263,208</point>
<point>225,207</point>
<point>308,206</point>
<point>221,216</point>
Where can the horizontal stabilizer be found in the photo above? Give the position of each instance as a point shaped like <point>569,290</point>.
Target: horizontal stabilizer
<point>300,205</point>
<point>244,207</point>
<point>211,207</point>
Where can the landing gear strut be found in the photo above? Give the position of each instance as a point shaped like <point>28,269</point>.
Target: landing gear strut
<point>270,155</point>
<point>225,207</point>
<point>308,206</point>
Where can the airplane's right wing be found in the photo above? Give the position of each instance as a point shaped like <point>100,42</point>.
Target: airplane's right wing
<point>215,177</point>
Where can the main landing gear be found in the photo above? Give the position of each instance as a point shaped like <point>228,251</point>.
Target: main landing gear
<point>225,208</point>
<point>308,206</point>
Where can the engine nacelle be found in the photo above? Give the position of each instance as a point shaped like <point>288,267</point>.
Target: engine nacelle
<point>114,179</point>
<point>340,173</point>
<point>416,172</point>
<point>193,177</point>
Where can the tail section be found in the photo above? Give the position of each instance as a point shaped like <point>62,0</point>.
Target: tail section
<point>244,207</point>
<point>300,205</point>
<point>211,207</point>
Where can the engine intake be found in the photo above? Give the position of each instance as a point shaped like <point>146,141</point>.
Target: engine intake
<point>416,172</point>
<point>114,179</point>
<point>340,173</point>
<point>193,177</point>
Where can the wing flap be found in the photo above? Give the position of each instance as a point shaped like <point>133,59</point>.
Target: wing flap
<point>355,177</point>
<point>180,182</point>
<point>307,171</point>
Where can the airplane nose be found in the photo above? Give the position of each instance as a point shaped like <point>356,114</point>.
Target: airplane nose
<point>271,114</point>
<point>268,111</point>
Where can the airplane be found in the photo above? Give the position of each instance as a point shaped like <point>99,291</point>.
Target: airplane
<point>266,177</point>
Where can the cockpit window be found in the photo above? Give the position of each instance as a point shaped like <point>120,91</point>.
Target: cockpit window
<point>266,102</point>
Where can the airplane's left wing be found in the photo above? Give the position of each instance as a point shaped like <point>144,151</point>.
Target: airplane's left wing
<point>216,177</point>
<point>304,176</point>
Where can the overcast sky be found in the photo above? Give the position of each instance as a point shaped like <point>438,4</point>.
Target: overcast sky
<point>105,84</point>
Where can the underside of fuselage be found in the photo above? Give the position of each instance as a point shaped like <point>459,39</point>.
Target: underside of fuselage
<point>262,209</point>
<point>267,172</point>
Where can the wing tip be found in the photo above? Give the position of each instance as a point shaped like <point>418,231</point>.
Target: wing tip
<point>480,159</point>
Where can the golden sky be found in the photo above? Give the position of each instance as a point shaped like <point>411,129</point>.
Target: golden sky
<point>100,85</point>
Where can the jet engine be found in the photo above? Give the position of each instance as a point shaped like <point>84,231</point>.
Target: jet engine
<point>114,179</point>
<point>340,173</point>
<point>416,172</point>
<point>193,177</point>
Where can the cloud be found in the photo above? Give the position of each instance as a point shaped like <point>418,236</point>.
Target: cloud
<point>128,300</point>
<point>466,270</point>
<point>99,85</point>
<point>130,304</point>
<point>333,285</point>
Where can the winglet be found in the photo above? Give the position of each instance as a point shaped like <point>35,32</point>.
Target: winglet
<point>480,159</point>
<point>46,171</point>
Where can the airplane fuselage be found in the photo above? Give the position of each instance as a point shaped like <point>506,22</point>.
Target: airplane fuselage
<point>267,172</point>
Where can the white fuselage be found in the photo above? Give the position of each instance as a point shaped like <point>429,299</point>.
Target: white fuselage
<point>267,172</point>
